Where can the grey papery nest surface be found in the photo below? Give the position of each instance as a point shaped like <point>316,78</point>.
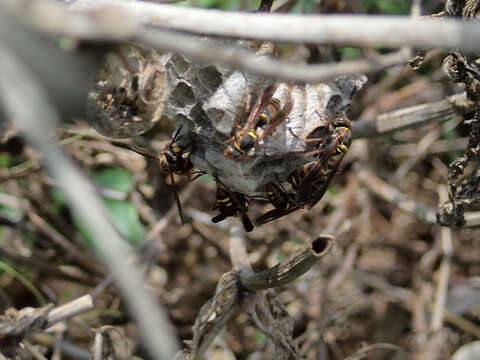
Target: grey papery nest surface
<point>209,103</point>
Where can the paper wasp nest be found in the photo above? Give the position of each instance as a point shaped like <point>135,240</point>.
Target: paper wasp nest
<point>209,104</point>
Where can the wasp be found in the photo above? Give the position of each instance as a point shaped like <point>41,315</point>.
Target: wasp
<point>231,203</point>
<point>266,111</point>
<point>174,159</point>
<point>283,202</point>
<point>311,180</point>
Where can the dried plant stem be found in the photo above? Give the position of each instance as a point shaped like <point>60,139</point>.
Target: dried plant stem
<point>391,194</point>
<point>289,269</point>
<point>47,267</point>
<point>67,348</point>
<point>70,309</point>
<point>378,283</point>
<point>80,26</point>
<point>58,239</point>
<point>36,122</point>
<point>421,150</point>
<point>215,314</point>
<point>472,219</point>
<point>97,346</point>
<point>270,68</point>
<point>414,116</point>
<point>438,147</point>
<point>33,351</point>
<point>238,250</point>
<point>365,31</point>
<point>444,273</point>
<point>462,323</point>
<point>406,296</point>
<point>344,270</point>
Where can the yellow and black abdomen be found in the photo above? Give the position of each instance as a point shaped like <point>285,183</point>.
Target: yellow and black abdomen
<point>271,110</point>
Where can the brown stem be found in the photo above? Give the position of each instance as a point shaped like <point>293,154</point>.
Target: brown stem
<point>290,269</point>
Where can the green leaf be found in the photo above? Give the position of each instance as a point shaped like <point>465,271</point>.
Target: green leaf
<point>393,7</point>
<point>5,160</point>
<point>126,219</point>
<point>350,53</point>
<point>114,178</point>
<point>260,338</point>
<point>58,200</point>
<point>24,281</point>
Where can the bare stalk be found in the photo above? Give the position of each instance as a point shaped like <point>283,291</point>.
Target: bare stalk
<point>444,274</point>
<point>391,194</point>
<point>413,116</point>
<point>70,309</point>
<point>291,268</point>
<point>37,121</point>
<point>367,31</point>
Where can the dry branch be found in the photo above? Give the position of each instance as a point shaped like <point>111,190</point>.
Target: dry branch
<point>368,31</point>
<point>214,315</point>
<point>290,269</point>
<point>37,121</point>
<point>414,116</point>
<point>391,194</point>
<point>70,309</point>
<point>236,287</point>
<point>81,26</point>
<point>27,320</point>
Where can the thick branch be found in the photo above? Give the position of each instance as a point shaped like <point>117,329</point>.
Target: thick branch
<point>80,26</point>
<point>368,31</point>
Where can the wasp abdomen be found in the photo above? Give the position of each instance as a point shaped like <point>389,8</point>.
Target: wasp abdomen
<point>271,110</point>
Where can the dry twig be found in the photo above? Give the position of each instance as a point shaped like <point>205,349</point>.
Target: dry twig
<point>289,269</point>
<point>315,29</point>
<point>414,116</point>
<point>391,194</point>
<point>19,85</point>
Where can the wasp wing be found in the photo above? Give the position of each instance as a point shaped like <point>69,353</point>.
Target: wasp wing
<point>259,106</point>
<point>279,118</point>
<point>274,214</point>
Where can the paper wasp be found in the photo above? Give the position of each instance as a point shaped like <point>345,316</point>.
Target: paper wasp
<point>231,204</point>
<point>311,181</point>
<point>283,202</point>
<point>174,159</point>
<point>266,111</point>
